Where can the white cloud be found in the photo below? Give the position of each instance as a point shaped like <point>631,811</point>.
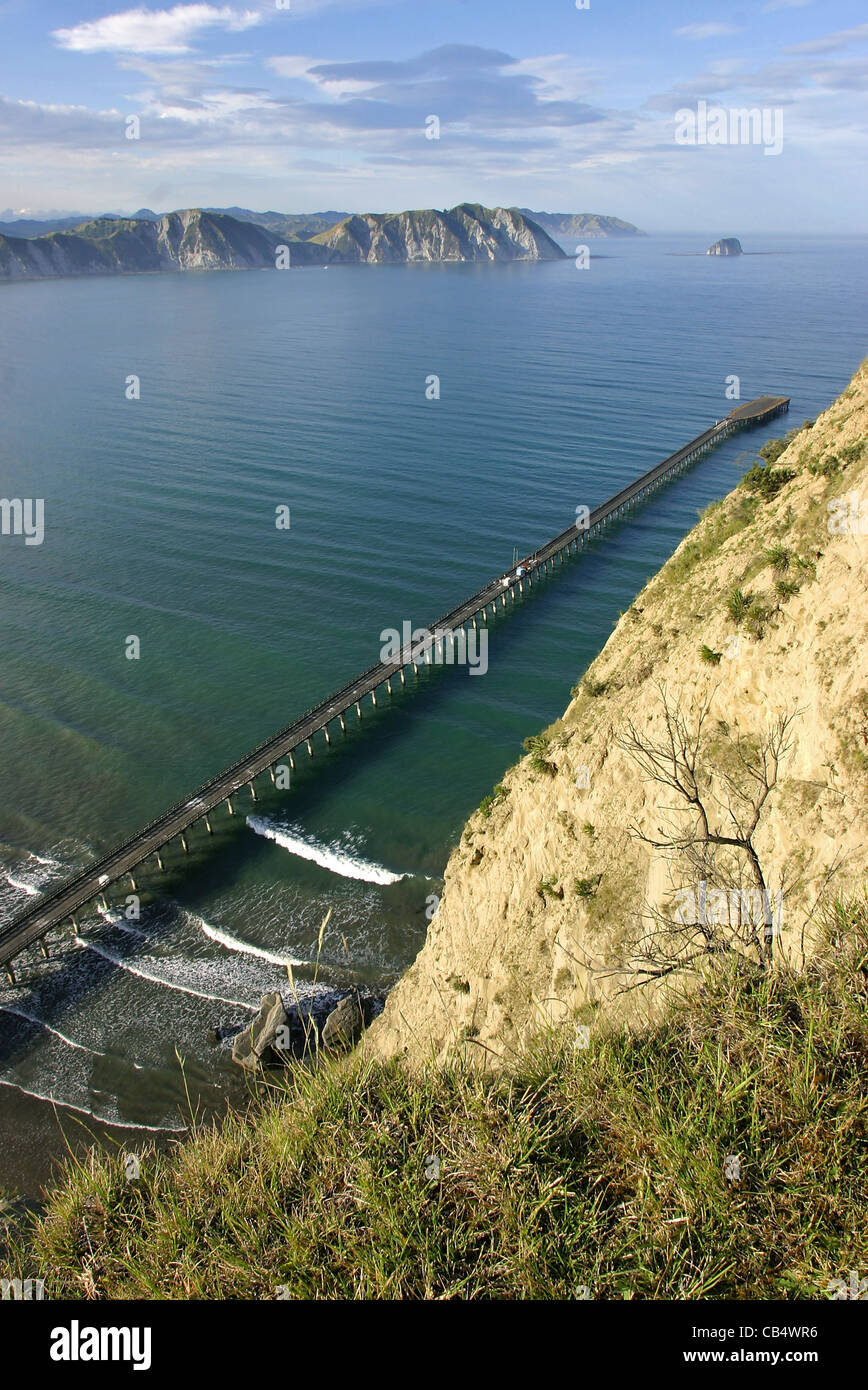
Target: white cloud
<point>843,38</point>
<point>306,69</point>
<point>705,31</point>
<point>152,31</point>
<point>557,77</point>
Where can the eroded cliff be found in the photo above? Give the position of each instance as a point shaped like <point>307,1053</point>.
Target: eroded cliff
<point>553,895</point>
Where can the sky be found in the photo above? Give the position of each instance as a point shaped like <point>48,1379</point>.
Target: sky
<point>310,105</point>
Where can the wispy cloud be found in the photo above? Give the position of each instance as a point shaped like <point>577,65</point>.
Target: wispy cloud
<point>710,30</point>
<point>830,43</point>
<point>153,31</point>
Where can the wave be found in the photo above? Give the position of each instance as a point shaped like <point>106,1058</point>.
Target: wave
<point>47,863</point>
<point>245,948</point>
<point>328,857</point>
<point>21,886</point>
<point>155,979</point>
<point>83,1110</point>
<point>117,920</point>
<point>40,1022</point>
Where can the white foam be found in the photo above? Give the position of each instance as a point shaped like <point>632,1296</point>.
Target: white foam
<point>22,887</point>
<point>156,979</point>
<point>40,1022</point>
<point>83,1110</point>
<point>116,919</point>
<point>245,948</point>
<point>335,860</point>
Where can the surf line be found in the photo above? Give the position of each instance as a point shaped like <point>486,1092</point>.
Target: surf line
<point>246,948</point>
<point>335,860</point>
<point>159,979</point>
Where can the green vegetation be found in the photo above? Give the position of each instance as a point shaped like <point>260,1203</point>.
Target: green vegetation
<point>766,481</point>
<point>748,611</point>
<point>487,804</point>
<point>595,688</point>
<point>711,658</point>
<point>826,468</point>
<point>757,617</point>
<point>547,887</point>
<point>738,605</point>
<point>604,1168</point>
<point>537,745</point>
<point>786,588</point>
<point>587,887</point>
<point>779,557</point>
<point>724,518</point>
<point>773,448</point>
<point>833,464</point>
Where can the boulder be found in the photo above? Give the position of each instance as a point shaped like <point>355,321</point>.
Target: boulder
<point>260,1044</point>
<point>346,1024</point>
<point>727,246</point>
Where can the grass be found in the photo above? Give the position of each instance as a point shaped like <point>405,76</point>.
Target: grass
<point>587,887</point>
<point>488,803</point>
<point>602,1167</point>
<point>780,557</point>
<point>537,746</point>
<point>724,518</point>
<point>738,605</point>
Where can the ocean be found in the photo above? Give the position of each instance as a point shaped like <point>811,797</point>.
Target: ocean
<point>313,391</point>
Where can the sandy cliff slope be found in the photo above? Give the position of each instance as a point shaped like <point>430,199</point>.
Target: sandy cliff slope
<point>552,888</point>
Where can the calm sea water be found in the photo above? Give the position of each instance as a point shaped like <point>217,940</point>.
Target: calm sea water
<point>307,389</point>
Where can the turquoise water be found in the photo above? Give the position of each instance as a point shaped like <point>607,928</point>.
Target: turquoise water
<point>305,388</point>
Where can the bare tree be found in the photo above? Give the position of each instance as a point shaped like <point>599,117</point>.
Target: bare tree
<point>721,793</point>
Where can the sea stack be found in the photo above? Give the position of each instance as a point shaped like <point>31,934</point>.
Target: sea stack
<point>727,246</point>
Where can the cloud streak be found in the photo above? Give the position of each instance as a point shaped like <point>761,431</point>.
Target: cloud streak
<point>153,31</point>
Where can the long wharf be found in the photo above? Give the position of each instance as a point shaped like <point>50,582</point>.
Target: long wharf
<point>62,903</point>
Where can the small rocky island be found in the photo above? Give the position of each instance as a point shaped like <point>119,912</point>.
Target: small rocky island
<point>727,246</point>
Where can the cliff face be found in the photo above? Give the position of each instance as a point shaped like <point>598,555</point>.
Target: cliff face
<point>468,232</point>
<point>189,240</point>
<point>762,611</point>
<point>199,240</point>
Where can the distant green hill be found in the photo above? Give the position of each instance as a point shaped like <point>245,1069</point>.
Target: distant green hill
<point>298,226</point>
<point>588,224</point>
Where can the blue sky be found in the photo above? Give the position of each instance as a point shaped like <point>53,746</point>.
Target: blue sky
<point>323,105</point>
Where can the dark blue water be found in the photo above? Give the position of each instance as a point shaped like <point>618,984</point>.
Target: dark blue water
<point>307,389</point>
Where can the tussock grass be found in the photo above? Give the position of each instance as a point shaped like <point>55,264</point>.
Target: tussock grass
<point>602,1167</point>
